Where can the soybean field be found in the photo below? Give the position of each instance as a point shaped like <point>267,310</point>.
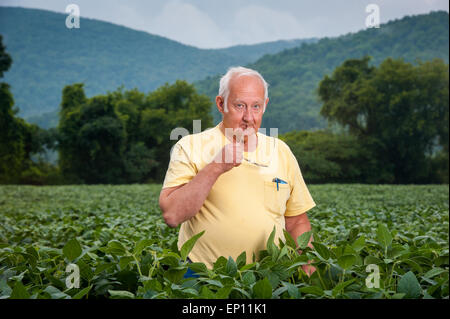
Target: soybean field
<point>370,241</point>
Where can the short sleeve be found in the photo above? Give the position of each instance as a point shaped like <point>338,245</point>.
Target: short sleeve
<point>300,200</point>
<point>181,169</point>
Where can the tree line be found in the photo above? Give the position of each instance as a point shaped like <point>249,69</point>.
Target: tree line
<point>393,122</point>
<point>387,124</point>
<point>294,74</point>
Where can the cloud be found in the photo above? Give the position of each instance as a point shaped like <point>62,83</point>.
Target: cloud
<point>182,21</point>
<point>215,24</point>
<point>254,24</point>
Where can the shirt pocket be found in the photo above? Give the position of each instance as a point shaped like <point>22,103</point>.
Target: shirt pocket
<point>275,199</point>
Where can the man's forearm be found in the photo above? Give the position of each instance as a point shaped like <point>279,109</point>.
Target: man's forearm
<point>185,202</point>
<point>298,229</point>
<point>295,230</point>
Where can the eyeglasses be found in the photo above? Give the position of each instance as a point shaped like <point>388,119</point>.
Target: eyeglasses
<point>263,165</point>
<point>254,163</point>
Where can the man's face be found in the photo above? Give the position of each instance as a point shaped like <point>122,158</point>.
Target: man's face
<point>245,103</point>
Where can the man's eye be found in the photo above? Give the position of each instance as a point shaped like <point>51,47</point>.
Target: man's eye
<point>240,106</point>
<point>256,106</point>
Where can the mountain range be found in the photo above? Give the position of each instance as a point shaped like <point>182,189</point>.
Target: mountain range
<point>47,56</point>
<point>294,74</point>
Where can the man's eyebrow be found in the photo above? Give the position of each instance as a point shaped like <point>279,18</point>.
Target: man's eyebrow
<point>255,101</point>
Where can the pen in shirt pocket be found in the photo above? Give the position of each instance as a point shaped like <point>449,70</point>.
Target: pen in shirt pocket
<point>278,181</point>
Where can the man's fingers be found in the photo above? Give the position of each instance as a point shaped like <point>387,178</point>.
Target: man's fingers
<point>238,150</point>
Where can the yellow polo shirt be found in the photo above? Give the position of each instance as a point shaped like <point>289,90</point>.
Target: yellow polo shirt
<point>244,203</point>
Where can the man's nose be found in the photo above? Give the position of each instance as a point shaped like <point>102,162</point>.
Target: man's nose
<point>247,115</point>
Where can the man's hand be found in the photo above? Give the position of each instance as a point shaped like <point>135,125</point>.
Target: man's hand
<point>309,269</point>
<point>180,203</point>
<point>229,156</point>
<point>232,154</point>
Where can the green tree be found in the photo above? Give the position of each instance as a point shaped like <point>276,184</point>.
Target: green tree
<point>397,110</point>
<point>92,138</point>
<point>13,130</point>
<point>124,136</point>
<point>20,141</point>
<point>325,157</point>
<point>169,107</point>
<point>70,123</point>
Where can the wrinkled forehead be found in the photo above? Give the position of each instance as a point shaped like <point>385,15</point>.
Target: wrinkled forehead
<point>247,83</point>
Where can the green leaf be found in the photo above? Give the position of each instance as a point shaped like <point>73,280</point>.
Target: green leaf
<point>283,252</point>
<point>346,261</point>
<point>121,294</point>
<point>383,236</point>
<point>115,247</point>
<point>85,270</point>
<point>359,244</point>
<point>434,272</point>
<point>372,260</point>
<point>279,291</point>
<point>19,292</point>
<point>141,245</point>
<point>303,239</point>
<point>102,267</point>
<point>191,291</point>
<point>206,293</point>
<point>170,261</point>
<point>223,293</point>
<point>322,250</point>
<point>262,289</point>
<point>248,266</point>
<point>72,249</point>
<point>271,247</point>
<point>348,250</point>
<point>415,266</point>
<point>82,293</point>
<point>340,287</point>
<point>353,233</point>
<point>124,261</point>
<point>241,260</point>
<point>189,244</point>
<point>198,267</point>
<point>427,296</point>
<point>221,262</point>
<point>248,278</point>
<point>55,293</point>
<point>231,267</point>
<point>289,240</point>
<point>409,285</point>
<point>292,290</point>
<point>243,292</point>
<point>214,283</point>
<point>313,290</point>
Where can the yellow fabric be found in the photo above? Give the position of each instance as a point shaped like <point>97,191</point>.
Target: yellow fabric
<point>244,204</point>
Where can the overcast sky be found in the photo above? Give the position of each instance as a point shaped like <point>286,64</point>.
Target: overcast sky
<point>216,24</point>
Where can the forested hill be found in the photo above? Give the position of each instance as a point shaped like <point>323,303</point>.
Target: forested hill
<point>294,74</point>
<point>47,56</point>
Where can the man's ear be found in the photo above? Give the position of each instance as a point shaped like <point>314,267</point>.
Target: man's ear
<point>265,105</point>
<point>220,104</point>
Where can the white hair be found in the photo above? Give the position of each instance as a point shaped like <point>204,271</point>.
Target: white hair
<point>224,89</point>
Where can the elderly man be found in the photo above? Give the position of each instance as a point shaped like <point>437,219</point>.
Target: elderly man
<point>233,181</point>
